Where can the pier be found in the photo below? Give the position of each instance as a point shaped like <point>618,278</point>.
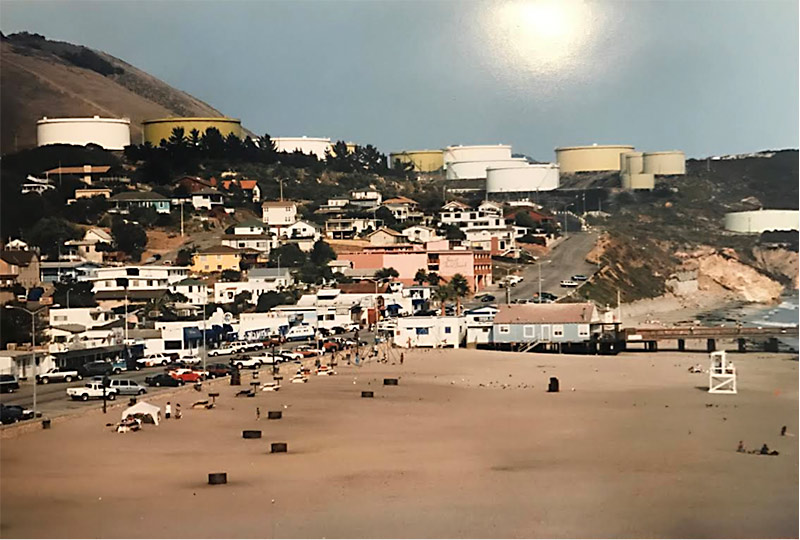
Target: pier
<point>650,337</point>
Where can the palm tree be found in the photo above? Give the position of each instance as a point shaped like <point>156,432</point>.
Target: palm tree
<point>433,279</point>
<point>443,293</point>
<point>421,276</point>
<point>460,288</point>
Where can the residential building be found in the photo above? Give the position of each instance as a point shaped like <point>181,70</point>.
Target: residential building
<point>495,241</point>
<point>206,199</point>
<point>87,248</point>
<point>487,215</point>
<point>430,331</point>
<point>66,270</point>
<point>279,213</point>
<point>86,173</point>
<point>191,184</point>
<point>403,208</point>
<point>278,278</point>
<point>123,202</point>
<point>420,234</point>
<point>250,227</point>
<point>385,237</point>
<point>298,229</point>
<point>134,282</point>
<point>195,290</point>
<point>259,242</point>
<point>479,325</point>
<point>88,193</point>
<point>349,228</point>
<point>226,291</point>
<point>366,198</point>
<point>530,324</point>
<point>36,185</point>
<point>19,267</point>
<point>216,259</point>
<point>83,328</point>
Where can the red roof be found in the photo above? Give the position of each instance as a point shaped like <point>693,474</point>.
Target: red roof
<point>248,184</point>
<point>362,287</point>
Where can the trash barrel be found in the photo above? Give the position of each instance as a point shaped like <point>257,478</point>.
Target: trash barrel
<point>390,382</point>
<point>236,378</point>
<point>251,434</point>
<point>278,447</point>
<point>367,394</point>
<point>217,478</point>
<point>274,415</point>
<point>553,386</point>
<point>46,423</point>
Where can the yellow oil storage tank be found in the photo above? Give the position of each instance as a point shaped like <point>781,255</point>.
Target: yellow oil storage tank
<point>161,128</point>
<point>631,163</point>
<point>422,160</point>
<point>664,163</point>
<point>595,158</point>
<point>638,181</point>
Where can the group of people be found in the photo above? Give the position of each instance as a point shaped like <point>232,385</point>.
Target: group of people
<point>168,411</point>
<point>765,451</point>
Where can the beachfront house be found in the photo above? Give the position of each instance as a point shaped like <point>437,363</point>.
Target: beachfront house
<point>479,325</point>
<point>430,331</point>
<point>546,326</point>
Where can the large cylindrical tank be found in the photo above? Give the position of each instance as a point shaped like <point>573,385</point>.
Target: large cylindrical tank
<point>161,128</point>
<point>758,221</point>
<point>422,160</point>
<point>631,163</point>
<point>463,170</point>
<point>522,179</point>
<point>317,146</point>
<point>574,159</point>
<point>110,133</point>
<point>494,152</point>
<point>666,163</point>
<point>637,181</point>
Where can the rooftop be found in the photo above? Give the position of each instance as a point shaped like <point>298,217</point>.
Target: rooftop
<point>277,204</point>
<point>400,200</point>
<point>217,250</point>
<point>82,169</point>
<point>139,196</point>
<point>545,313</point>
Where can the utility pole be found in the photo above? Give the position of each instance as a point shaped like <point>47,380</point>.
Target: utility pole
<point>205,300</point>
<point>33,346</point>
<point>539,264</point>
<point>619,308</point>
<point>181,219</point>
<point>280,181</point>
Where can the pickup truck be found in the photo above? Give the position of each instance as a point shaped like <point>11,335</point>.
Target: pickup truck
<point>510,281</point>
<point>91,390</point>
<point>58,375</point>
<point>225,349</point>
<point>253,362</point>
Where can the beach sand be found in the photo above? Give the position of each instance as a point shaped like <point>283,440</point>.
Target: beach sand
<point>633,451</point>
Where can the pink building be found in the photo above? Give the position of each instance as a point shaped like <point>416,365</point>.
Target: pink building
<point>475,266</point>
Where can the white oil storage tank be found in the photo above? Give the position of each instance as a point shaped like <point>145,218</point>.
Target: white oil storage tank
<point>664,163</point>
<point>317,146</point>
<point>463,170</point>
<point>758,221</point>
<point>487,152</point>
<point>595,158</point>
<point>523,179</point>
<point>110,133</point>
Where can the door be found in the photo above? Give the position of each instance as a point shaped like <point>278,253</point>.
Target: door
<point>545,330</point>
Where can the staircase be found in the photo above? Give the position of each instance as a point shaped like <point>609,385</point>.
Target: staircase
<point>527,347</point>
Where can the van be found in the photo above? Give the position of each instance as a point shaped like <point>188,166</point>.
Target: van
<point>8,383</point>
<point>127,387</point>
<point>300,333</point>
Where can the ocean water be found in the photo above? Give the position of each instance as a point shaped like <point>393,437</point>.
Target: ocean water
<point>784,314</point>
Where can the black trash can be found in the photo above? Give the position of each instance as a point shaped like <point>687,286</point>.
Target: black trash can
<point>46,423</point>
<point>553,386</point>
<point>236,378</point>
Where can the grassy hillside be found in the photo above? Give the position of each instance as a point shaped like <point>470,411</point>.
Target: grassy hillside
<point>50,78</point>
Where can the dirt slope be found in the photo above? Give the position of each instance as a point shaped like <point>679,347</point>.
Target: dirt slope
<point>47,78</point>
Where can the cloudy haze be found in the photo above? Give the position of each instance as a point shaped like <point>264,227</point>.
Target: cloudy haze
<point>704,77</point>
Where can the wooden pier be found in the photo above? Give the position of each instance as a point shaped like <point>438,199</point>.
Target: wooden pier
<point>650,337</point>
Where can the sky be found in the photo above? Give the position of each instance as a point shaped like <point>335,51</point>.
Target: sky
<point>705,77</point>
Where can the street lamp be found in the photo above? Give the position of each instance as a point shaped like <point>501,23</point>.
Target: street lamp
<point>33,345</point>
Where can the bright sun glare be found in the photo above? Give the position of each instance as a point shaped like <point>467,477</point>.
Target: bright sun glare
<point>540,35</point>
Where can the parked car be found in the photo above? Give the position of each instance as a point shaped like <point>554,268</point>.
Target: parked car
<point>155,359</point>
<point>91,390</point>
<point>510,281</point>
<point>99,367</point>
<point>324,332</point>
<point>300,333</point>
<point>336,330</point>
<point>272,341</point>
<point>579,277</point>
<point>486,298</point>
<point>330,345</point>
<point>187,375</point>
<point>243,346</point>
<point>241,362</point>
<point>10,414</point>
<point>58,375</point>
<point>218,370</point>
<point>162,379</point>
<point>190,359</point>
<point>8,384</point>
<point>291,356</point>
<point>227,348</point>
<point>127,387</point>
<point>568,283</point>
<point>118,366</point>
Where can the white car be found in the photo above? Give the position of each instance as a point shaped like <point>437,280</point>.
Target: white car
<point>224,349</point>
<point>155,359</point>
<point>251,362</point>
<point>190,359</point>
<point>290,355</point>
<point>569,283</point>
<point>309,349</point>
<point>267,358</point>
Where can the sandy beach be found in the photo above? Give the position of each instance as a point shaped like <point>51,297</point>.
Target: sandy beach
<point>469,444</point>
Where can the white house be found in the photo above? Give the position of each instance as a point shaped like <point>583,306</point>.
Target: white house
<point>226,291</point>
<point>113,283</point>
<point>347,228</point>
<point>86,248</point>
<point>402,208</point>
<point>298,229</point>
<point>479,324</point>
<point>278,213</point>
<point>487,215</point>
<point>365,198</point>
<point>206,199</point>
<point>278,278</point>
<point>419,234</point>
<point>194,290</point>
<point>430,331</point>
<point>250,227</point>
<point>259,242</point>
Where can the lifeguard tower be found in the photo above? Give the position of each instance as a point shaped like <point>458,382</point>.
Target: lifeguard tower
<point>721,374</point>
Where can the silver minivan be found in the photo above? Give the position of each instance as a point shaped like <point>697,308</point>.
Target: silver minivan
<point>127,387</point>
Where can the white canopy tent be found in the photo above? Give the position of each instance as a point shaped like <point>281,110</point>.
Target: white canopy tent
<point>143,409</point>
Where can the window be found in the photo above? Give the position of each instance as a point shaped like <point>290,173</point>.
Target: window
<point>421,331</point>
<point>447,330</point>
<point>504,329</point>
<point>558,330</point>
<point>173,345</point>
<point>583,330</point>
<point>219,267</point>
<point>528,331</point>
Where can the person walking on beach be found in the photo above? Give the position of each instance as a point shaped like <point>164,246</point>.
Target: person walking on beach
<point>401,359</point>
<point>168,411</point>
<point>177,411</point>
<point>258,413</point>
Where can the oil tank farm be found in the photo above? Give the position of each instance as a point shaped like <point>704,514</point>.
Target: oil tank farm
<point>631,162</point>
<point>161,128</point>
<point>463,170</point>
<point>317,146</point>
<point>664,163</point>
<point>522,181</point>
<point>637,180</point>
<point>110,133</point>
<point>423,161</point>
<point>486,152</point>
<point>759,221</point>
<point>595,158</point>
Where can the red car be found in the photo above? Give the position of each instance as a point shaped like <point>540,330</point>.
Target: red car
<point>187,375</point>
<point>330,346</point>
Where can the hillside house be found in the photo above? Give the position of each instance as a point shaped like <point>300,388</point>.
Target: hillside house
<point>250,227</point>
<point>195,290</point>
<point>125,201</point>
<point>87,248</point>
<point>385,237</point>
<point>278,213</point>
<point>85,173</point>
<point>19,267</point>
<point>349,228</point>
<point>403,208</point>
<point>206,199</point>
<point>420,234</point>
<point>216,259</point>
<point>263,243</point>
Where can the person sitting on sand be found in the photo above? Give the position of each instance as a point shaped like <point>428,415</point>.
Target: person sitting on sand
<point>764,450</point>
<point>740,448</point>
